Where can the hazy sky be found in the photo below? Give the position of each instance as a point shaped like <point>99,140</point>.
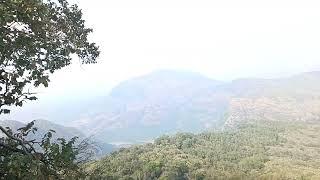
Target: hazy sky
<point>220,39</point>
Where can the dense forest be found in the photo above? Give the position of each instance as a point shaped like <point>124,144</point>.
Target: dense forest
<point>252,151</point>
<point>256,150</point>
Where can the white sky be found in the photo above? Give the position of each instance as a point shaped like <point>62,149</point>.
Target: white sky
<point>221,39</point>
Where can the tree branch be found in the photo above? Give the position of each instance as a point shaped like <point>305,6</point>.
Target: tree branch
<point>11,148</point>
<point>20,141</point>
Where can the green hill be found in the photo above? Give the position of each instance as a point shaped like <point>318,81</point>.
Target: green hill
<point>252,151</point>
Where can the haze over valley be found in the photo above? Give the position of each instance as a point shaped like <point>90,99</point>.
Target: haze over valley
<point>166,102</point>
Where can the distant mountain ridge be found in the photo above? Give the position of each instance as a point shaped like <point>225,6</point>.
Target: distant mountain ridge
<point>296,98</point>
<point>43,126</point>
<point>165,102</point>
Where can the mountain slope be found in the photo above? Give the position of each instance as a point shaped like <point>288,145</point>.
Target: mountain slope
<point>159,103</point>
<point>166,102</point>
<point>288,99</point>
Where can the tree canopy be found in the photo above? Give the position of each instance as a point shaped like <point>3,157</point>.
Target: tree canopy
<point>257,150</point>
<point>38,37</point>
<point>44,158</point>
<point>232,154</point>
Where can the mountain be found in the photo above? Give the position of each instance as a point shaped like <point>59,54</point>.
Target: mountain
<point>296,98</point>
<point>166,102</point>
<point>66,132</point>
<point>14,125</point>
<point>162,102</point>
<point>43,126</point>
<point>269,130</point>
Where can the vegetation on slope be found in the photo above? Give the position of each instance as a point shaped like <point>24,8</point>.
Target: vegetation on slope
<point>253,151</point>
<point>299,156</point>
<point>230,154</point>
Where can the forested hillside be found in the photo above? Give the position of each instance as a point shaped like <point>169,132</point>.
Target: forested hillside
<point>252,151</point>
